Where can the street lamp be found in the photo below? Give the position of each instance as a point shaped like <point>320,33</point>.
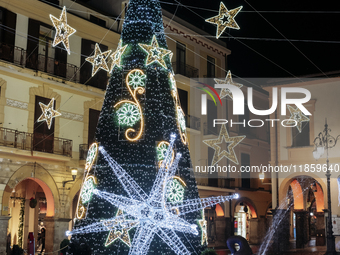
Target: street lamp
<point>322,142</point>
<point>74,175</point>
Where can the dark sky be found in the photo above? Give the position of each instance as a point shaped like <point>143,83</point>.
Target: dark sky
<point>315,21</point>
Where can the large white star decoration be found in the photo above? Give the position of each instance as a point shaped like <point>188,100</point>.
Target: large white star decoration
<point>225,19</point>
<point>63,30</point>
<point>117,55</point>
<point>155,53</point>
<point>228,80</point>
<point>297,115</point>
<point>152,214</point>
<point>48,113</point>
<point>231,144</point>
<point>98,60</point>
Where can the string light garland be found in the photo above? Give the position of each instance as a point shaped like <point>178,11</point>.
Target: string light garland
<point>297,116</point>
<point>155,53</point>
<point>231,142</point>
<point>98,60</point>
<point>224,19</point>
<point>128,114</point>
<point>63,30</point>
<point>162,148</point>
<point>149,212</point>
<point>117,55</point>
<point>48,113</point>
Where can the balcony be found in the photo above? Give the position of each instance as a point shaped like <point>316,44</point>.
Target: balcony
<point>35,142</point>
<point>184,69</point>
<point>39,62</point>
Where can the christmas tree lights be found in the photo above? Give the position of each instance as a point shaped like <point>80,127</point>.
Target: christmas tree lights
<point>151,214</point>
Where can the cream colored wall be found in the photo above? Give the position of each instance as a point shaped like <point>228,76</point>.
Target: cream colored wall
<point>15,119</point>
<point>16,85</point>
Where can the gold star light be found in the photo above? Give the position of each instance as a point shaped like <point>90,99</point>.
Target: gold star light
<point>48,113</point>
<point>63,30</point>
<point>231,144</point>
<point>203,225</point>
<point>228,80</point>
<point>298,116</point>
<point>98,60</point>
<point>121,232</point>
<point>224,19</point>
<point>117,55</point>
<point>155,53</point>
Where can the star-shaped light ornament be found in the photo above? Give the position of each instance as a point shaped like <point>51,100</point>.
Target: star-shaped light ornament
<point>98,60</point>
<point>225,19</point>
<point>203,225</point>
<point>117,55</point>
<point>63,30</point>
<point>151,214</point>
<point>48,113</point>
<point>155,53</point>
<point>228,80</point>
<point>119,228</point>
<point>231,142</point>
<point>297,115</point>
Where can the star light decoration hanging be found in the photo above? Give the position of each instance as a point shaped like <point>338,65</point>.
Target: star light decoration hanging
<point>228,80</point>
<point>231,142</point>
<point>98,60</point>
<point>63,30</point>
<point>117,55</point>
<point>155,53</point>
<point>225,19</point>
<point>150,213</point>
<point>297,115</point>
<point>48,113</point>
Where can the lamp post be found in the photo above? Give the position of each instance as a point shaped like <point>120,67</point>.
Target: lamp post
<point>74,175</point>
<point>322,142</point>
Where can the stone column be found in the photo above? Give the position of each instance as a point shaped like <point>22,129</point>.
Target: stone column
<point>3,230</point>
<point>320,229</point>
<point>257,230</point>
<point>301,225</point>
<point>281,236</point>
<point>49,235</point>
<point>60,227</point>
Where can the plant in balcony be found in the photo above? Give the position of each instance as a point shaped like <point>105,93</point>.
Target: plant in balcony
<point>33,202</point>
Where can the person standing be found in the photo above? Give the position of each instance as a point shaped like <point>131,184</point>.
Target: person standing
<point>42,239</point>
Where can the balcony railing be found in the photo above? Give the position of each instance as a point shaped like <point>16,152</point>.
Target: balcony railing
<point>184,69</point>
<point>35,142</point>
<point>42,63</point>
<point>193,122</point>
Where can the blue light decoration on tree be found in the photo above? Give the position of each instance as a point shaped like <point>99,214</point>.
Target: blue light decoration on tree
<point>128,209</point>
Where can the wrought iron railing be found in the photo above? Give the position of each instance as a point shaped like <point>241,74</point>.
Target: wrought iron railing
<point>184,69</point>
<point>35,142</point>
<point>40,62</point>
<point>83,149</point>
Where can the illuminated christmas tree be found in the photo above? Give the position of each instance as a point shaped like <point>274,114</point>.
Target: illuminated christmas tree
<point>138,196</point>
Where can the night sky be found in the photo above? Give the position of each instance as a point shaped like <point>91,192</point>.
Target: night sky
<point>316,23</point>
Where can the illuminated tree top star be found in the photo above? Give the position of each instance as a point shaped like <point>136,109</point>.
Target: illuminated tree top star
<point>98,60</point>
<point>297,115</point>
<point>232,142</point>
<point>48,113</point>
<point>63,30</point>
<point>155,53</point>
<point>117,55</point>
<point>151,213</point>
<point>225,19</point>
<point>228,80</point>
